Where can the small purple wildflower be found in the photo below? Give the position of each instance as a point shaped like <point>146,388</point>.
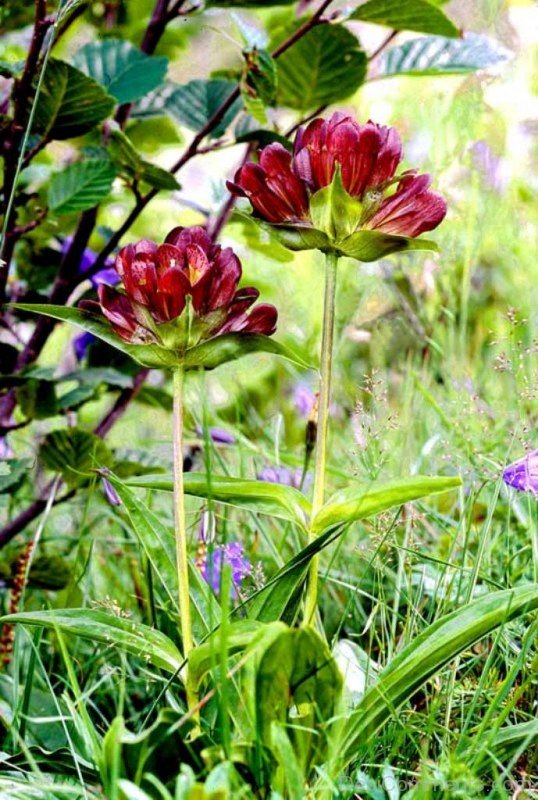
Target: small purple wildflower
<point>304,399</point>
<point>218,435</point>
<point>5,449</point>
<point>490,165</point>
<point>81,344</point>
<point>284,476</point>
<point>110,493</point>
<point>106,275</point>
<point>232,555</point>
<point>523,474</point>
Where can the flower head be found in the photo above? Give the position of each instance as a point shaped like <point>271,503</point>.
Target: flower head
<point>360,161</point>
<point>523,474</point>
<point>231,555</point>
<point>188,269</point>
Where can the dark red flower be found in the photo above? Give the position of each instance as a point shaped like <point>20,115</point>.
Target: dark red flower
<point>280,185</point>
<point>272,186</point>
<point>160,280</point>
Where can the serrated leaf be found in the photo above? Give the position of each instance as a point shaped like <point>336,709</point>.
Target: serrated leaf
<point>131,165</point>
<point>324,66</point>
<point>80,186</point>
<point>70,103</point>
<point>194,103</point>
<point>98,626</point>
<point>261,497</point>
<point>74,453</point>
<point>158,177</point>
<point>125,72</point>
<point>438,55</point>
<point>407,15</point>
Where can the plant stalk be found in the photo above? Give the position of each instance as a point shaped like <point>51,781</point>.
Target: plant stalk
<point>180,527</point>
<point>324,400</point>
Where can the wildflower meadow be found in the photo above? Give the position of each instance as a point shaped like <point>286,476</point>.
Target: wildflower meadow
<point>268,399</point>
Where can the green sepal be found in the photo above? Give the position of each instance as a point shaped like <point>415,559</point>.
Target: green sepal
<point>334,211</point>
<point>373,245</point>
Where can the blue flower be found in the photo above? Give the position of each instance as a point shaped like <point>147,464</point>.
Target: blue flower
<point>232,555</point>
<point>523,474</point>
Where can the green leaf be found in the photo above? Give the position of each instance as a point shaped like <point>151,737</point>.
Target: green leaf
<point>12,471</point>
<point>297,671</point>
<point>231,346</point>
<point>75,454</point>
<point>373,245</point>
<point>208,355</point>
<point>261,497</point>
<point>69,104</point>
<point>194,103</point>
<point>437,55</point>
<point>358,502</point>
<point>81,185</point>
<point>278,599</point>
<point>407,15</point>
<point>150,355</point>
<point>125,72</point>
<point>333,210</point>
<point>131,165</point>
<point>431,650</point>
<point>258,83</point>
<point>98,626</point>
<point>239,636</point>
<point>248,3</point>
<point>324,66</point>
<point>157,540</point>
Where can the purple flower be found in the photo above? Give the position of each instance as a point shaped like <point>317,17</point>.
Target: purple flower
<point>523,474</point>
<point>110,493</point>
<point>490,165</point>
<point>106,275</point>
<point>81,344</point>
<point>5,449</point>
<point>232,555</point>
<point>218,435</point>
<point>284,476</point>
<point>304,399</point>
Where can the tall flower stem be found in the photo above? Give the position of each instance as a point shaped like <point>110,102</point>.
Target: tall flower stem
<point>322,424</point>
<point>181,530</point>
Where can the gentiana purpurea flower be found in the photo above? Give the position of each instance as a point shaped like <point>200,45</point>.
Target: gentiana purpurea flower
<point>187,273</point>
<point>523,474</point>
<point>283,187</point>
<point>231,555</point>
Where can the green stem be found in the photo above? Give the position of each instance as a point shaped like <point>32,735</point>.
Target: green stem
<point>322,424</point>
<point>181,531</point>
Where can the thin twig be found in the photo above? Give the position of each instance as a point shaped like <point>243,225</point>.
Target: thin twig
<point>392,35</point>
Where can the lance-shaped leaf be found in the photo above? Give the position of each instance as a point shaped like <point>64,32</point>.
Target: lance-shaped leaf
<point>239,636</point>
<point>358,502</point>
<point>157,540</point>
<point>98,626</point>
<point>427,654</point>
<point>208,355</point>
<point>281,595</point>
<point>261,497</point>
